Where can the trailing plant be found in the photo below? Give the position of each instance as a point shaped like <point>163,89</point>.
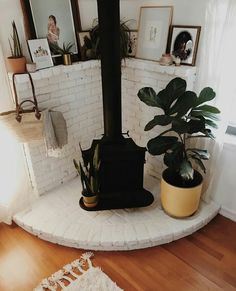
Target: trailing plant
<point>14,43</point>
<point>89,174</point>
<point>92,45</point>
<point>187,116</point>
<point>65,49</point>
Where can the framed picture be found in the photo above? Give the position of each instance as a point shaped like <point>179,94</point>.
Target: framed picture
<point>40,53</point>
<point>184,43</point>
<point>85,45</point>
<point>56,20</point>
<point>132,46</point>
<point>154,24</point>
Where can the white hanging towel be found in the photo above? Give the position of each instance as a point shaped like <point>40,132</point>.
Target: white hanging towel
<point>55,132</point>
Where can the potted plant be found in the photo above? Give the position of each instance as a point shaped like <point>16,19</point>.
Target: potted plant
<point>16,62</point>
<point>187,117</point>
<point>65,51</point>
<point>89,175</point>
<point>91,48</point>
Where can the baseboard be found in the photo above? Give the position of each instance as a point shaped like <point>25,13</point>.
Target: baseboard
<point>228,213</point>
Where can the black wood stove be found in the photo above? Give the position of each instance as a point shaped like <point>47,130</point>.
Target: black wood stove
<point>122,161</point>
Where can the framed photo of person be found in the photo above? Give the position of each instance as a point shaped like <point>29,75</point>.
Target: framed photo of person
<point>184,43</point>
<point>40,53</point>
<point>56,20</point>
<point>154,25</point>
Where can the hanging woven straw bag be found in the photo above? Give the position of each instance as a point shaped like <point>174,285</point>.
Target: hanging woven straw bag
<point>24,124</point>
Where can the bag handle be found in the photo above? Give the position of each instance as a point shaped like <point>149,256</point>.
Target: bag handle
<point>19,109</point>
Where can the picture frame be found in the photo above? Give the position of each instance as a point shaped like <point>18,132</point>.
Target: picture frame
<point>40,53</point>
<point>82,45</point>
<point>56,20</point>
<point>153,31</point>
<point>183,43</point>
<point>132,46</point>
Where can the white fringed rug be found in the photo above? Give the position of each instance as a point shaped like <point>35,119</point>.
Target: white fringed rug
<point>80,275</point>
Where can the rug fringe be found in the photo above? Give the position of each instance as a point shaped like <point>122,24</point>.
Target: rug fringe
<point>55,281</point>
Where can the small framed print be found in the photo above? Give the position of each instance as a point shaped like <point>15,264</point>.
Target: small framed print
<point>132,45</point>
<point>84,40</point>
<point>184,43</point>
<point>40,53</point>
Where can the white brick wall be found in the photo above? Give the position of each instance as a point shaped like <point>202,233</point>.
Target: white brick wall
<point>76,92</point>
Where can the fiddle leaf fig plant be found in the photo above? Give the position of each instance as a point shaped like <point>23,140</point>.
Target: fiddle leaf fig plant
<point>185,116</point>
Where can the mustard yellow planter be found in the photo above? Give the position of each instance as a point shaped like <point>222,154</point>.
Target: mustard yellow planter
<point>179,201</point>
<point>67,59</point>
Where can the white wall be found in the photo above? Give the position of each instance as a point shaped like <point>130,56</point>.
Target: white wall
<point>225,193</point>
<point>186,12</point>
<point>9,11</point>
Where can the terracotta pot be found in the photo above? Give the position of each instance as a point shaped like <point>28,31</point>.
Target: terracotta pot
<point>179,201</point>
<point>166,60</point>
<point>16,65</point>
<point>67,59</point>
<point>90,201</point>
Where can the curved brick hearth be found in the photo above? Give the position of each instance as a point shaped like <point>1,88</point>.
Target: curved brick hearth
<point>57,217</point>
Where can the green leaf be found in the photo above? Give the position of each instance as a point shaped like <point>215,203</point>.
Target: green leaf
<point>196,125</point>
<point>208,108</point>
<point>174,89</point>
<point>160,144</point>
<point>158,120</point>
<point>199,162</point>
<point>84,178</point>
<point>211,123</point>
<point>207,94</point>
<point>149,97</point>
<point>96,158</point>
<point>183,104</point>
<point>174,157</point>
<point>179,125</point>
<point>206,114</point>
<point>186,170</point>
<point>202,154</point>
<point>207,132</point>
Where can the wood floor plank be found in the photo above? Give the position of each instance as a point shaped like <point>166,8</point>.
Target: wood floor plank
<point>203,261</point>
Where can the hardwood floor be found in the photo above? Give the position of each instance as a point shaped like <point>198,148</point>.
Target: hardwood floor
<point>203,261</point>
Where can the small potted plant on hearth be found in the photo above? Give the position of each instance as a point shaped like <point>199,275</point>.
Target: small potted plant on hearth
<point>187,117</point>
<point>65,51</point>
<point>89,175</point>
<point>16,63</point>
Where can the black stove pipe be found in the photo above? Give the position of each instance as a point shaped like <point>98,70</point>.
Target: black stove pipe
<point>109,26</point>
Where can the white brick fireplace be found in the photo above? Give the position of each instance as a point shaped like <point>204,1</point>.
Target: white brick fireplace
<point>76,92</point>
